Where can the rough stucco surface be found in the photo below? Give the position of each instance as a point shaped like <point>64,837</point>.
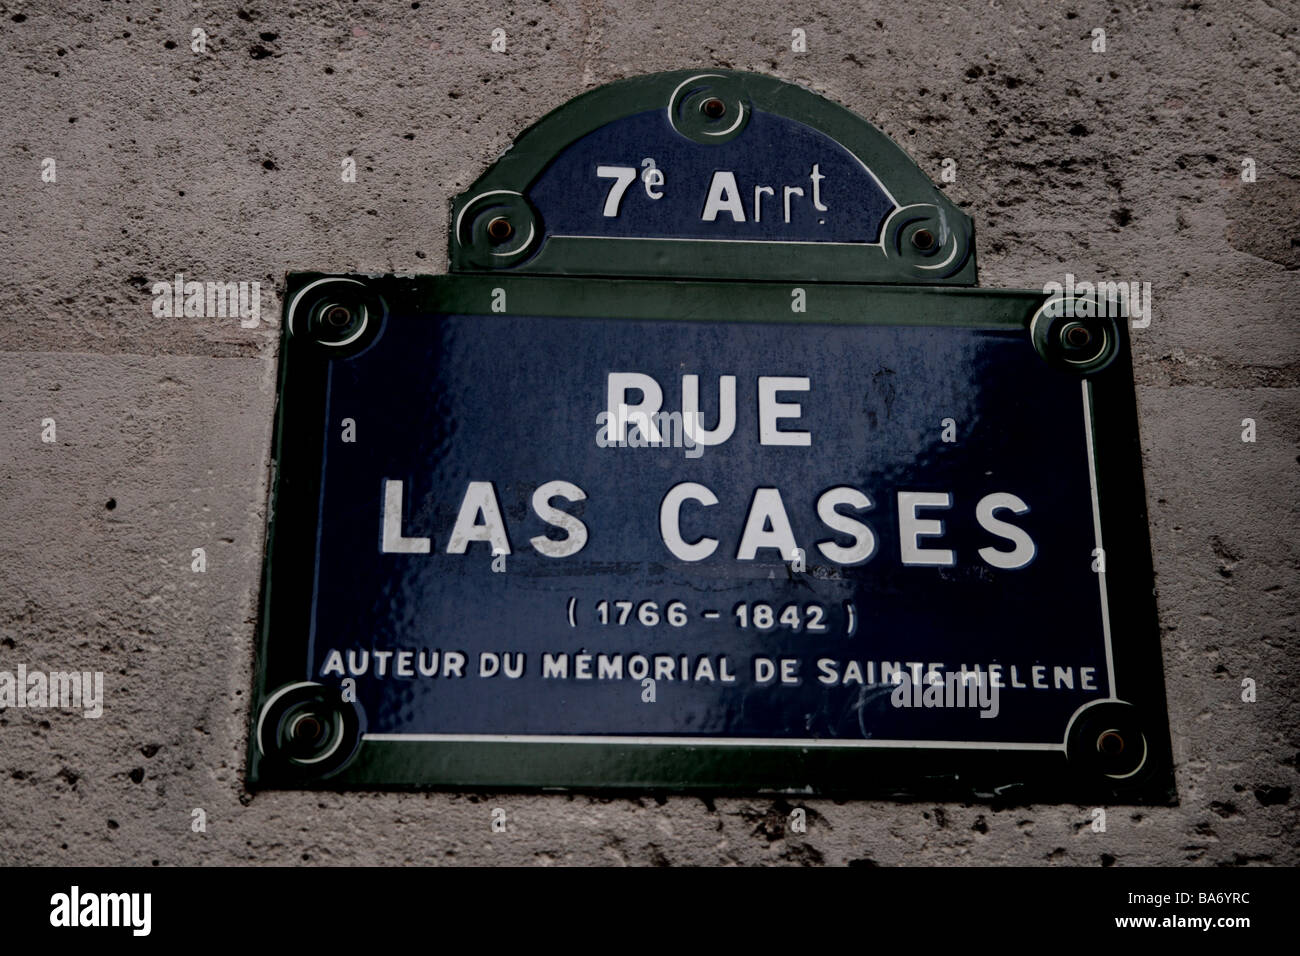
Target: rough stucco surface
<point>225,166</point>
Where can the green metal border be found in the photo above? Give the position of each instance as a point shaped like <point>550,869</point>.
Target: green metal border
<point>695,301</point>
<point>538,146</point>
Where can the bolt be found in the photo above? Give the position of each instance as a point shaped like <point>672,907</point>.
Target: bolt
<point>306,729</point>
<point>713,108</point>
<point>1078,336</point>
<point>1110,743</point>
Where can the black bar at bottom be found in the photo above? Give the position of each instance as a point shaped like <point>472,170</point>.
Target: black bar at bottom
<point>332,906</point>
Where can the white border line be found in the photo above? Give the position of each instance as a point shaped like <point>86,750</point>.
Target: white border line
<point>1096,527</point>
<point>816,743</point>
<point>760,242</point>
<point>669,741</point>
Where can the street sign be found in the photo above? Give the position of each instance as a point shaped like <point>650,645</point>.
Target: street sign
<point>707,468</point>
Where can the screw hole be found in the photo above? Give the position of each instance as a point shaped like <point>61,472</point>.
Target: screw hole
<point>713,108</point>
<point>1110,743</point>
<point>338,316</point>
<point>306,729</point>
<point>1078,336</point>
<point>923,239</point>
<point>499,229</point>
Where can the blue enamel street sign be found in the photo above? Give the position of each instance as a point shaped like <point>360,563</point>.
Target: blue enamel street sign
<point>707,468</point>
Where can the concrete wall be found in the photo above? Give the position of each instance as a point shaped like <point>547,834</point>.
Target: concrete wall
<point>1122,164</point>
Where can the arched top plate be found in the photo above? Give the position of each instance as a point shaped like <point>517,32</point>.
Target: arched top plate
<point>710,174</point>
